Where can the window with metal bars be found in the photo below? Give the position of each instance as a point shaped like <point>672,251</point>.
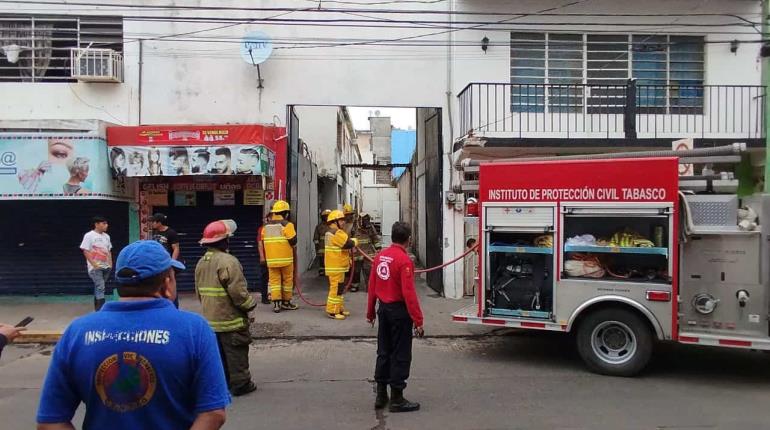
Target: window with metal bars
<point>588,73</point>
<point>35,48</point>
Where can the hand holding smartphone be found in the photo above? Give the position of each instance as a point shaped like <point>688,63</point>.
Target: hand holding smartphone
<point>25,322</point>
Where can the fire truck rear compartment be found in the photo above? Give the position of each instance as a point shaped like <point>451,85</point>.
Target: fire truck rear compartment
<point>521,275</point>
<point>618,247</point>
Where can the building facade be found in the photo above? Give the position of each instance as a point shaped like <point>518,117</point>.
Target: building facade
<point>488,78</point>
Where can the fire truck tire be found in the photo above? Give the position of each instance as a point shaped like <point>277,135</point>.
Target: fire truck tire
<point>615,342</point>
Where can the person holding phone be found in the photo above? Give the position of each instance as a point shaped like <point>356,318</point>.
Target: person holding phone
<point>8,333</point>
<point>97,249</point>
<point>391,283</point>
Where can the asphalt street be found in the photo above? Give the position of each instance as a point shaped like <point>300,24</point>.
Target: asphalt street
<point>525,380</point>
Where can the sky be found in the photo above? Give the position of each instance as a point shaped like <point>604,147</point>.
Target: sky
<point>403,118</point>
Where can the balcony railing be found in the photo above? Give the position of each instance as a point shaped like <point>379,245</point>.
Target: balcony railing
<point>613,111</point>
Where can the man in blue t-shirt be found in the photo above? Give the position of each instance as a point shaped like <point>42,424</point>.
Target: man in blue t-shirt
<point>138,363</point>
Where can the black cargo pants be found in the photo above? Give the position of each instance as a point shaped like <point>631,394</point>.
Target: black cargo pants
<point>234,350</point>
<point>394,345</point>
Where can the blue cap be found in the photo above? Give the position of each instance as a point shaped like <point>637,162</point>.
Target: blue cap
<point>146,258</point>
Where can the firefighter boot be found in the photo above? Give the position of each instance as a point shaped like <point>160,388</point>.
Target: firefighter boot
<point>338,317</point>
<point>399,404</point>
<point>382,396</point>
<point>244,389</point>
<point>287,305</point>
<point>98,303</point>
<point>276,306</point>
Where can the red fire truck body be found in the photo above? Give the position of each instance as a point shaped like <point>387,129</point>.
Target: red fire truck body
<point>595,247</point>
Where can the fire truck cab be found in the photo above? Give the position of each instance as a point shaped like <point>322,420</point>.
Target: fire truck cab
<point>622,252</point>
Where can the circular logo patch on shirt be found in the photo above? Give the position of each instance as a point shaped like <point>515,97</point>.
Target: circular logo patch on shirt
<point>383,270</point>
<point>125,381</point>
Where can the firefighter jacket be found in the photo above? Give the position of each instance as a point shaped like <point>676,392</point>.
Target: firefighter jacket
<point>336,254</point>
<point>319,236</point>
<point>278,238</point>
<point>368,241</point>
<point>221,289</point>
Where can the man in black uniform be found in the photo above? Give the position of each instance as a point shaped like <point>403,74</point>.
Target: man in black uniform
<point>167,237</point>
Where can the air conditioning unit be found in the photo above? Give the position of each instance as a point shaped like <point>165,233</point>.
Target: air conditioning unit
<point>96,65</point>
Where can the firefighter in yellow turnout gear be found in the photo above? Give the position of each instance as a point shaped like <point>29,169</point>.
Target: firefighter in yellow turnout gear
<point>225,301</point>
<point>279,238</point>
<point>369,243</point>
<point>319,236</point>
<point>337,245</point>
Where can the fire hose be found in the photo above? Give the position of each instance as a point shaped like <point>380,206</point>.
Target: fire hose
<point>370,259</point>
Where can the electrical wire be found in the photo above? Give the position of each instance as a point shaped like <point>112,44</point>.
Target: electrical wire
<point>189,33</point>
<point>77,96</point>
<point>365,10</point>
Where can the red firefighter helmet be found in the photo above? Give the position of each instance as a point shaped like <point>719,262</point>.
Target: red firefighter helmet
<point>218,230</point>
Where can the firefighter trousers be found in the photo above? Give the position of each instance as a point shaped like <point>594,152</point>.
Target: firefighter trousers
<point>281,280</point>
<point>234,350</point>
<point>335,302</point>
<point>357,279</point>
<point>366,270</point>
<point>320,256</point>
<point>394,345</point>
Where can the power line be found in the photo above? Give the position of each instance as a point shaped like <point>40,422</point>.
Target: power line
<point>378,3</point>
<point>367,10</point>
<point>439,24</point>
<point>419,23</point>
<point>189,33</point>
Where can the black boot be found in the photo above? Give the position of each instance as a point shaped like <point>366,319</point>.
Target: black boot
<point>98,303</point>
<point>399,404</point>
<point>382,396</point>
<point>276,306</point>
<point>244,389</point>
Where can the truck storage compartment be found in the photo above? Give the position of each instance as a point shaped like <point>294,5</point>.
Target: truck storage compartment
<point>520,275</point>
<point>629,246</point>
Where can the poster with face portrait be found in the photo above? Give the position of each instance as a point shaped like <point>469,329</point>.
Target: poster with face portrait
<point>43,166</point>
<point>141,161</point>
<point>205,150</point>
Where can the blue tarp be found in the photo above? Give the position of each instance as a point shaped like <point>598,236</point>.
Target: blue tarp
<point>403,143</point>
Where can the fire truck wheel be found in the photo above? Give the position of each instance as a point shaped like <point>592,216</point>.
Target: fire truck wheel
<point>614,342</point>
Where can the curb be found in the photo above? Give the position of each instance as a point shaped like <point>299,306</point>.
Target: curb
<point>39,336</point>
<point>50,337</point>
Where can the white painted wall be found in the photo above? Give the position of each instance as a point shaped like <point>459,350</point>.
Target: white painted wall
<point>318,129</point>
<point>380,201</point>
<point>306,212</point>
<point>196,82</point>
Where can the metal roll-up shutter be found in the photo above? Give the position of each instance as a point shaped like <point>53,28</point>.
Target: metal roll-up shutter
<point>189,222</point>
<point>40,243</point>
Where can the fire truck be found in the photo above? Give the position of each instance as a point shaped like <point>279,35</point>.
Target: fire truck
<point>622,251</point>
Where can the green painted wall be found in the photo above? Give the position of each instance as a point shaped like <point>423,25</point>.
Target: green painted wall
<point>133,223</point>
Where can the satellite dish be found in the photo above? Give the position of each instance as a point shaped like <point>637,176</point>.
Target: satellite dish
<point>256,47</point>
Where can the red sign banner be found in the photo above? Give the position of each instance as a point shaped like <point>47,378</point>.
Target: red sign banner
<point>621,180</point>
<point>272,137</point>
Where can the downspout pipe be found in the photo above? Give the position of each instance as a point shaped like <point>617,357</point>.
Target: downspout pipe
<point>766,101</point>
<point>139,85</point>
<point>734,149</point>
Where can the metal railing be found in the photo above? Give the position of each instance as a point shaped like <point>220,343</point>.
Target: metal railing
<point>612,111</point>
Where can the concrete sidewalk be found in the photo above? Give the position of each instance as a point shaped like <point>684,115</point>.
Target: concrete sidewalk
<point>53,313</point>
